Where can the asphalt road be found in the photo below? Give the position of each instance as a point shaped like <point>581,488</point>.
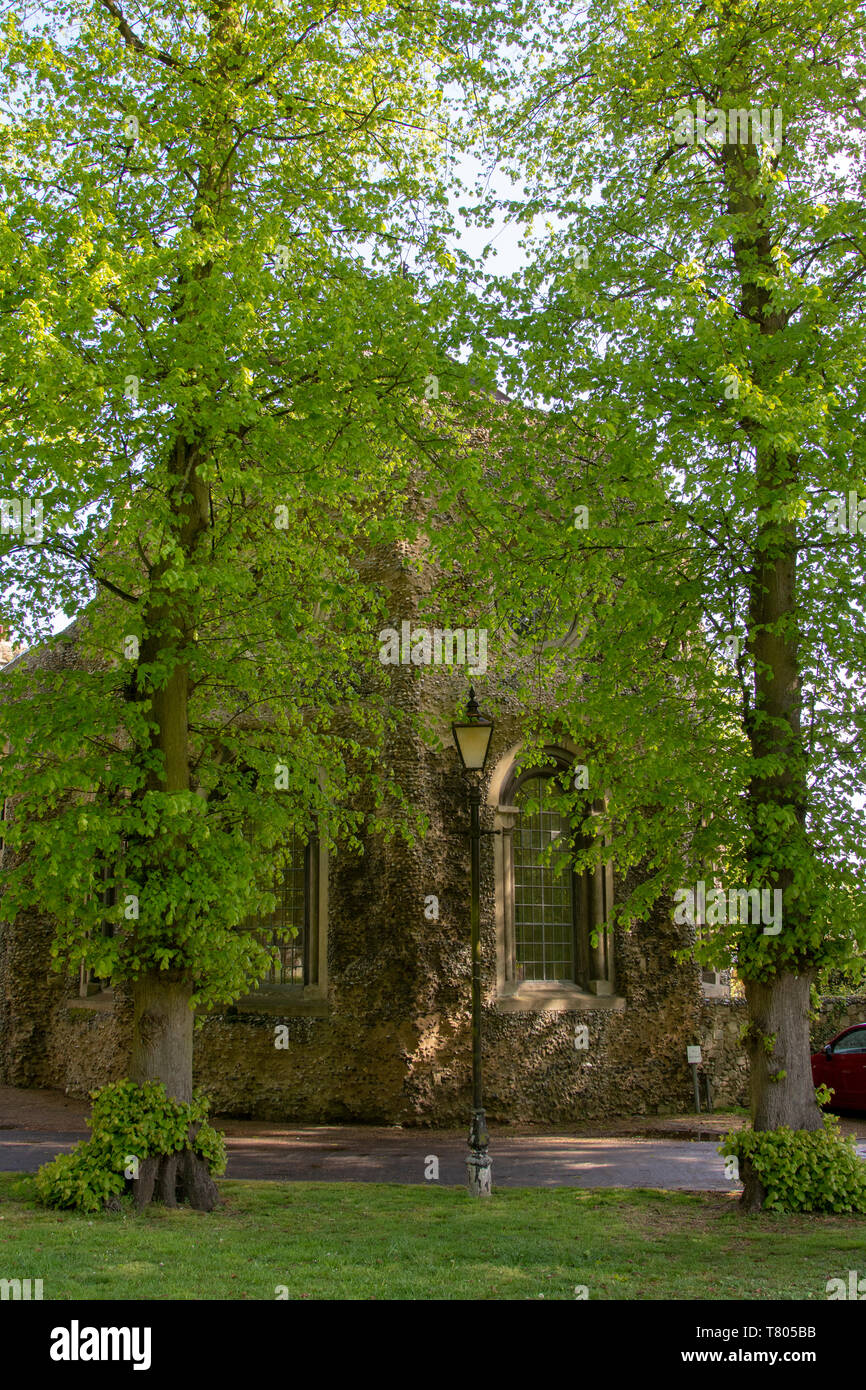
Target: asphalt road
<point>37,1125</point>
<point>526,1161</point>
<point>323,1155</point>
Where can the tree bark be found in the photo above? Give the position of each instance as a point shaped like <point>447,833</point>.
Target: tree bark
<point>779,1013</point>
<point>162,1051</point>
<point>198,1186</point>
<point>162,1034</point>
<point>167,1181</point>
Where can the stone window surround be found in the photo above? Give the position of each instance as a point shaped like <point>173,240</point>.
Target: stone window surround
<point>538,996</point>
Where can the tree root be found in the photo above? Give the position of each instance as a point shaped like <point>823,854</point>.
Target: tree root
<point>173,1179</point>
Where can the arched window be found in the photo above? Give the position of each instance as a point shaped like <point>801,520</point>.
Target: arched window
<point>546,911</point>
<point>545,900</point>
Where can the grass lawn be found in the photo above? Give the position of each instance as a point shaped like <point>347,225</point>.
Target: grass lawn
<point>366,1240</point>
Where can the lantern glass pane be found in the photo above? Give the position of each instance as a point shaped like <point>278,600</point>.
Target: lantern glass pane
<point>473,741</point>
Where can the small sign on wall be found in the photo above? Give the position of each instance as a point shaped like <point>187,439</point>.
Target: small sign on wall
<point>693,1054</point>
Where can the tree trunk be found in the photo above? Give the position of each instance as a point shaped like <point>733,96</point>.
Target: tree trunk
<point>778,1001</point>
<point>163,1017</point>
<point>162,1051</point>
<point>169,585</point>
<point>167,1181</point>
<point>779,1010</point>
<point>782,1091</point>
<point>162,1034</point>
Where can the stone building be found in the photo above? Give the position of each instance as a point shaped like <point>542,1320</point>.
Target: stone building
<point>367,1016</point>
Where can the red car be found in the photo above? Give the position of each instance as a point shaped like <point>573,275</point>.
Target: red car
<point>841,1065</point>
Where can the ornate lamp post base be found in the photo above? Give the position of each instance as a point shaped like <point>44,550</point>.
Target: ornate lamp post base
<point>479,1168</point>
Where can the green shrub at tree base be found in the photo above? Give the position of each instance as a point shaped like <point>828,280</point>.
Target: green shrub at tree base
<point>802,1170</point>
<point>130,1123</point>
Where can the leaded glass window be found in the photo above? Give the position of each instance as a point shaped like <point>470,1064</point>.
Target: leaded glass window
<point>544,905</point>
<point>292,910</point>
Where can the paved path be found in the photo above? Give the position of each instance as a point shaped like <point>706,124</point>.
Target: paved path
<point>327,1155</point>
<point>37,1125</point>
<point>518,1161</point>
